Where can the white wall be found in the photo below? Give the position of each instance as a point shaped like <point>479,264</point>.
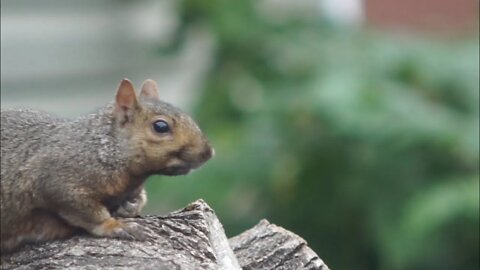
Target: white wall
<point>67,56</point>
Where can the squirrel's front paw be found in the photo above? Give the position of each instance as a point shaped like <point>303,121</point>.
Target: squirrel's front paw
<point>133,207</point>
<point>131,230</point>
<point>124,229</point>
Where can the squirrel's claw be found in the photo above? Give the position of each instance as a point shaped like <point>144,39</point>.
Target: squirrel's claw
<point>131,230</point>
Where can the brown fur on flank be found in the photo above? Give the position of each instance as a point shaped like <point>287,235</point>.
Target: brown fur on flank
<point>60,175</point>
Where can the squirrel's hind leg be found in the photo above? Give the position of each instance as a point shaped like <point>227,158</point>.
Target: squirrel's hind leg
<point>40,226</point>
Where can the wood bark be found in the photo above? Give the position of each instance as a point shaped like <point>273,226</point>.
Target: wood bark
<point>191,238</point>
<point>267,246</point>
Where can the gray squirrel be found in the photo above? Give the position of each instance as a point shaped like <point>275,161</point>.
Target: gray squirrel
<point>61,175</point>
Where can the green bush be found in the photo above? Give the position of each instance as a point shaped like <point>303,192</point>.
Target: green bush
<point>364,144</point>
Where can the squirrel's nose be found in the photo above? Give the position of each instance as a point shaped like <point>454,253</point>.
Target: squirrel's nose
<point>208,153</point>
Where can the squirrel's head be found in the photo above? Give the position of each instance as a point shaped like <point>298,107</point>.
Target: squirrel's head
<point>161,138</point>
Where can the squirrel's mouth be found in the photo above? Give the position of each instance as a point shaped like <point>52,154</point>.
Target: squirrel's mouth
<point>185,162</point>
<point>176,170</point>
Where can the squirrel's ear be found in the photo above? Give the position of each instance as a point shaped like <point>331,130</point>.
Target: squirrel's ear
<point>125,100</point>
<point>149,89</point>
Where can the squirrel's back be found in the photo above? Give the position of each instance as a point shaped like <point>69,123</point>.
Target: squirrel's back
<point>22,133</point>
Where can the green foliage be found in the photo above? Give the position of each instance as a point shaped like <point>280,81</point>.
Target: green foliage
<point>363,144</point>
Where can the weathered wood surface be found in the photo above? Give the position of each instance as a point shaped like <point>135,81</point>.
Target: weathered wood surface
<point>191,238</point>
<point>267,246</point>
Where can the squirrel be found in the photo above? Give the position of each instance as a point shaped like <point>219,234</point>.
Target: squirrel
<point>61,176</point>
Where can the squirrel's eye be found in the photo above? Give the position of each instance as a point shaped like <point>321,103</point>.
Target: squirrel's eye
<point>161,126</point>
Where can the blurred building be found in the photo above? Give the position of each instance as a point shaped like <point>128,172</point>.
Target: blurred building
<point>54,51</point>
<point>68,56</point>
<point>439,16</point>
<point>444,17</point>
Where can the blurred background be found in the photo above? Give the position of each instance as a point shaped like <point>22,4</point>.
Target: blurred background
<point>353,123</point>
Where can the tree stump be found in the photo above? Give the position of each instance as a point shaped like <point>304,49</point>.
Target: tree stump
<point>191,238</point>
